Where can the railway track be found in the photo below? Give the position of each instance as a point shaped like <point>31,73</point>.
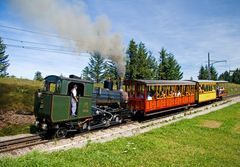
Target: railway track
<point>18,143</point>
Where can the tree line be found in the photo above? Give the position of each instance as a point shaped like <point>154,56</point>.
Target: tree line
<point>140,64</point>
<point>235,77</point>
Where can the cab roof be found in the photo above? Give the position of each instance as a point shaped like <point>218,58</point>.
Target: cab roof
<point>55,78</point>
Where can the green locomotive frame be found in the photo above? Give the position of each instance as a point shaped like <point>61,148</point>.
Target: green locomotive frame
<point>53,103</point>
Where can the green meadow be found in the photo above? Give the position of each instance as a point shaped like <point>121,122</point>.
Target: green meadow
<point>17,94</point>
<point>208,140</point>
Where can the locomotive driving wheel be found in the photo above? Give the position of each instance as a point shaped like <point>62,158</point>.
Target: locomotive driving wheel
<point>61,132</point>
<point>118,119</point>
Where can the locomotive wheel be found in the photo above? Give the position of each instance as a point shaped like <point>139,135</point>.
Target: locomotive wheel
<point>61,132</point>
<point>118,119</point>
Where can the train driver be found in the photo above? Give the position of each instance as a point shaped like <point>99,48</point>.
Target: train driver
<point>74,100</point>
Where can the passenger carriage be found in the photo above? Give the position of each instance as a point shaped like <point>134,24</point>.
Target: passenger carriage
<point>153,96</point>
<point>221,89</point>
<point>205,90</point>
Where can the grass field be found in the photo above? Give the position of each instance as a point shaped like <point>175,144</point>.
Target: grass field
<point>17,94</point>
<point>233,89</point>
<point>208,140</point>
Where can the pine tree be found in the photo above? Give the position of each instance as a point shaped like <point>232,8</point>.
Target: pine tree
<point>174,71</point>
<point>4,62</point>
<point>153,66</point>
<point>163,65</point>
<point>236,76</point>
<point>131,65</point>
<point>96,67</point>
<point>86,73</point>
<point>225,76</point>
<point>142,67</point>
<point>213,73</point>
<point>203,73</point>
<point>168,68</point>
<point>110,70</point>
<point>38,76</point>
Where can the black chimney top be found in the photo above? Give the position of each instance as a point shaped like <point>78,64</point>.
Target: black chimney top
<point>74,76</point>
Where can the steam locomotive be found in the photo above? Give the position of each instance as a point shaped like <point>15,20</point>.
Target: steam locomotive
<point>99,107</point>
<point>96,107</point>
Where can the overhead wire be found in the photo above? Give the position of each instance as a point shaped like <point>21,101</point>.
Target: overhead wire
<point>44,49</point>
<point>36,32</point>
<point>36,43</point>
<point>62,49</point>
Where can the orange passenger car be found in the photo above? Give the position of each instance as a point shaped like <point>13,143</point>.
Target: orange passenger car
<point>155,96</point>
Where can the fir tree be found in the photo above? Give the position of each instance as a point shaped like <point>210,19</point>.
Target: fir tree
<point>96,67</point>
<point>163,65</point>
<point>4,62</point>
<point>131,65</point>
<point>153,66</point>
<point>99,69</point>
<point>38,76</point>
<point>213,73</point>
<point>168,68</point>
<point>203,73</point>
<point>142,68</point>
<point>236,76</point>
<point>225,76</point>
<point>86,73</point>
<point>140,62</point>
<point>110,70</point>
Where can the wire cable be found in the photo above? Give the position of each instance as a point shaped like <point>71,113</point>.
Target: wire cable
<point>36,43</point>
<point>36,32</point>
<point>45,49</point>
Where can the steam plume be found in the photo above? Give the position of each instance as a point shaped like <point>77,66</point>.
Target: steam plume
<point>71,21</point>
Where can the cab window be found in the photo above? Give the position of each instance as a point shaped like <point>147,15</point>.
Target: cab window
<point>52,86</point>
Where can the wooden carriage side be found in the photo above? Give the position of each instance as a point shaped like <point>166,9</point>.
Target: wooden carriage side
<point>153,96</point>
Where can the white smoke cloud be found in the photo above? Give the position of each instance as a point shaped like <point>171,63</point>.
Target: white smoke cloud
<point>71,21</point>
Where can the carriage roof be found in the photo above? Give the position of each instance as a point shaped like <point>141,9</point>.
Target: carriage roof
<point>164,82</point>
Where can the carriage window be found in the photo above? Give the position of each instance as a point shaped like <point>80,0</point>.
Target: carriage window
<point>133,90</point>
<point>140,91</point>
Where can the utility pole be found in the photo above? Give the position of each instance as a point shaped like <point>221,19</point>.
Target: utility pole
<point>211,64</point>
<point>209,73</point>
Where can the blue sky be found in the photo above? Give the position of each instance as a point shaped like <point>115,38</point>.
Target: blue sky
<point>187,28</point>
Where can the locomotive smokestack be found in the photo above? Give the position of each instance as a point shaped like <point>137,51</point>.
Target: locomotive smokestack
<point>120,83</point>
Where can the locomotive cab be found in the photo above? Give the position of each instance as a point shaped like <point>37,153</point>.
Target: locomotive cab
<point>53,103</point>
